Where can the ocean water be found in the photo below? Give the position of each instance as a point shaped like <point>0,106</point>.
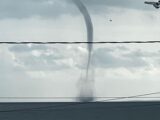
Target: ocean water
<point>80,111</point>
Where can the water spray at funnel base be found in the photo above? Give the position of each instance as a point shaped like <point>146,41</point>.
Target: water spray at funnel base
<point>86,93</point>
<point>86,87</point>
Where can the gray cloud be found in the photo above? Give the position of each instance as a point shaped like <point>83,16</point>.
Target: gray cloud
<point>106,59</point>
<point>100,6</point>
<point>16,81</point>
<point>40,57</point>
<point>46,58</point>
<point>11,76</point>
<point>54,8</point>
<point>124,3</point>
<point>42,63</point>
<point>139,53</point>
<point>26,48</point>
<point>31,8</point>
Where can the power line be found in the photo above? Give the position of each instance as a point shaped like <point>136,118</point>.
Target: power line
<point>59,107</point>
<point>101,42</point>
<point>135,96</point>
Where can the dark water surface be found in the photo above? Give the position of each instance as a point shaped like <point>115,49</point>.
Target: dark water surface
<point>80,111</point>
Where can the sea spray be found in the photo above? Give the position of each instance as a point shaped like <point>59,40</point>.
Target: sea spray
<point>86,87</point>
<point>86,83</point>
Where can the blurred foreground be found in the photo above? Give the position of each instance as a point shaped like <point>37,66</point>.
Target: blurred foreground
<point>80,111</point>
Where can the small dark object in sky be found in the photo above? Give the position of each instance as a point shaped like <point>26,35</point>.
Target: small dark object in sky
<point>110,20</point>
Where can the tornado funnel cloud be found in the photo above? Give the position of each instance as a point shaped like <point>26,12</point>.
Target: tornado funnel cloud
<point>88,22</point>
<point>86,91</point>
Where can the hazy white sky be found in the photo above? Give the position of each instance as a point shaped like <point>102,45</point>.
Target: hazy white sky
<point>54,70</point>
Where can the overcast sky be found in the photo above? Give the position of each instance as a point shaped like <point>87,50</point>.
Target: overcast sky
<point>54,70</point>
